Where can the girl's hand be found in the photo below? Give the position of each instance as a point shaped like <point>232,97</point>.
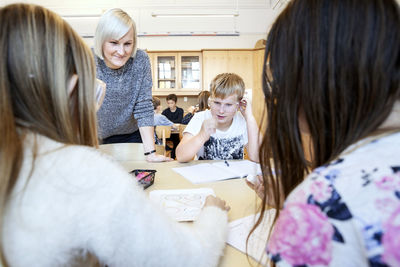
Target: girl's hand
<point>258,186</point>
<point>153,157</point>
<point>217,202</point>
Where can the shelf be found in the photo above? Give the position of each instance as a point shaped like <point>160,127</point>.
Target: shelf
<point>178,92</point>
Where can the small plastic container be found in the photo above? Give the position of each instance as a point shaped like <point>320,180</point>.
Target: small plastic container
<point>145,178</point>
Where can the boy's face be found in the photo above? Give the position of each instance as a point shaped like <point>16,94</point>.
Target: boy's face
<point>171,104</point>
<point>224,109</point>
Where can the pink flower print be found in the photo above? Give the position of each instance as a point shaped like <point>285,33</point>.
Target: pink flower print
<point>302,235</point>
<point>391,239</point>
<point>386,206</point>
<point>299,196</point>
<point>389,182</point>
<point>321,191</point>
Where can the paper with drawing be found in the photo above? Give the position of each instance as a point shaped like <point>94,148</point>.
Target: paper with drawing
<point>181,205</point>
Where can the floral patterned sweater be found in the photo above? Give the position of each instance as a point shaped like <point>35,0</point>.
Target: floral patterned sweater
<point>346,213</point>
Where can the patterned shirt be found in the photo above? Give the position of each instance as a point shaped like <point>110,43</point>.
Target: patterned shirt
<point>346,213</point>
<point>222,145</point>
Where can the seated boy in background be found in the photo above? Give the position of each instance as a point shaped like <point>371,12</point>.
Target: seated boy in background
<point>222,132</point>
<point>159,119</point>
<point>173,113</point>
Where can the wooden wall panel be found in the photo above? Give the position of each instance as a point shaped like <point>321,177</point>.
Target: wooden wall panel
<point>214,62</point>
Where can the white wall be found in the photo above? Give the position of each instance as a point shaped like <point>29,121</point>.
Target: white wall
<point>255,17</point>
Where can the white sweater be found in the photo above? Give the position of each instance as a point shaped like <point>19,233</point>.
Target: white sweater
<point>77,201</point>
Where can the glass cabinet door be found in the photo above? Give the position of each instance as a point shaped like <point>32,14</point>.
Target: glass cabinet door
<point>166,75</point>
<point>190,72</point>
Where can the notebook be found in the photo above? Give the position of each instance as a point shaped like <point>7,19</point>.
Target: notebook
<point>239,230</point>
<point>216,171</point>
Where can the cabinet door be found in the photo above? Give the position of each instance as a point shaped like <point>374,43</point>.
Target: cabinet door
<point>190,71</point>
<point>165,71</point>
<point>152,64</point>
<point>214,62</point>
<point>241,63</point>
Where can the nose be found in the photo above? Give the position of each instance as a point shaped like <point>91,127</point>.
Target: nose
<point>120,49</point>
<point>221,109</point>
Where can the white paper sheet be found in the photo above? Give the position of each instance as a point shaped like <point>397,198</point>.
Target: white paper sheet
<point>210,172</point>
<point>181,205</point>
<point>239,230</point>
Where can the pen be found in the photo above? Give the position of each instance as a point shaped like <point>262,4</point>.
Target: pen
<point>227,164</point>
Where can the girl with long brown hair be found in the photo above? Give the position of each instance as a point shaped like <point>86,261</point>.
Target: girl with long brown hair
<point>331,84</point>
<point>60,199</point>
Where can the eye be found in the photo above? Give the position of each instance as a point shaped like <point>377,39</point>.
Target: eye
<point>228,104</point>
<point>114,42</point>
<point>128,44</point>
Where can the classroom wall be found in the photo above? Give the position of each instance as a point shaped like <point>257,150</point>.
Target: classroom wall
<point>252,24</point>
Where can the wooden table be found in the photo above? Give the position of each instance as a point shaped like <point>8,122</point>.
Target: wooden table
<point>237,194</point>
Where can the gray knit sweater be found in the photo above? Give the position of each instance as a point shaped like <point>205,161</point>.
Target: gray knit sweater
<point>127,104</point>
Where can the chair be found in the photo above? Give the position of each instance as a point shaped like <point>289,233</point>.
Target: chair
<point>181,129</point>
<point>124,151</point>
<point>163,132</point>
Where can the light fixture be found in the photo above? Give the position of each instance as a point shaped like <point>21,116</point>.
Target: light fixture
<point>281,4</point>
<point>170,34</point>
<point>81,16</point>
<point>196,14</point>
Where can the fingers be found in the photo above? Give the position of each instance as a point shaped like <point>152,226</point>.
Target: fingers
<point>250,185</point>
<point>217,202</point>
<point>209,127</point>
<point>157,158</point>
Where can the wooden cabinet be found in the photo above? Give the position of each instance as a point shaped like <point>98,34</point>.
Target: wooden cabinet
<point>176,72</point>
<point>236,61</point>
<point>259,108</point>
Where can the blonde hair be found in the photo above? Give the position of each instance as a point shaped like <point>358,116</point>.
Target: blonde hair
<point>113,24</point>
<point>226,84</point>
<point>40,52</point>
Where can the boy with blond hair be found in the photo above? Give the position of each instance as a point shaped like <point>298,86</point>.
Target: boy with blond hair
<point>222,132</point>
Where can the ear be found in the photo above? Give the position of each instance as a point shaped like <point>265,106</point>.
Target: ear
<point>72,83</point>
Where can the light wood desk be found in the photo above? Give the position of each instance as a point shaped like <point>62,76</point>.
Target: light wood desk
<point>237,194</point>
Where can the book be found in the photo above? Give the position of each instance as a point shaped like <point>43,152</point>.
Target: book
<point>181,204</point>
<point>217,171</point>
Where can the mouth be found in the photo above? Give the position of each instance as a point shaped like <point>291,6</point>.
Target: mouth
<point>220,117</point>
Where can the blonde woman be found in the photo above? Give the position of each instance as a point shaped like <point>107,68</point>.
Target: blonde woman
<point>60,199</point>
<point>126,115</point>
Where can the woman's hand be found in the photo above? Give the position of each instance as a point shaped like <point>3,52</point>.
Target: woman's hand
<point>217,202</point>
<point>257,186</point>
<point>153,157</point>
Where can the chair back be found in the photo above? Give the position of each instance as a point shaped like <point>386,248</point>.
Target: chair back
<point>181,129</point>
<point>124,151</point>
<point>163,131</point>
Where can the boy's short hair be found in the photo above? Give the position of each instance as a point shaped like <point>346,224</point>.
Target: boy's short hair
<point>226,84</point>
<point>172,97</point>
<point>156,102</point>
